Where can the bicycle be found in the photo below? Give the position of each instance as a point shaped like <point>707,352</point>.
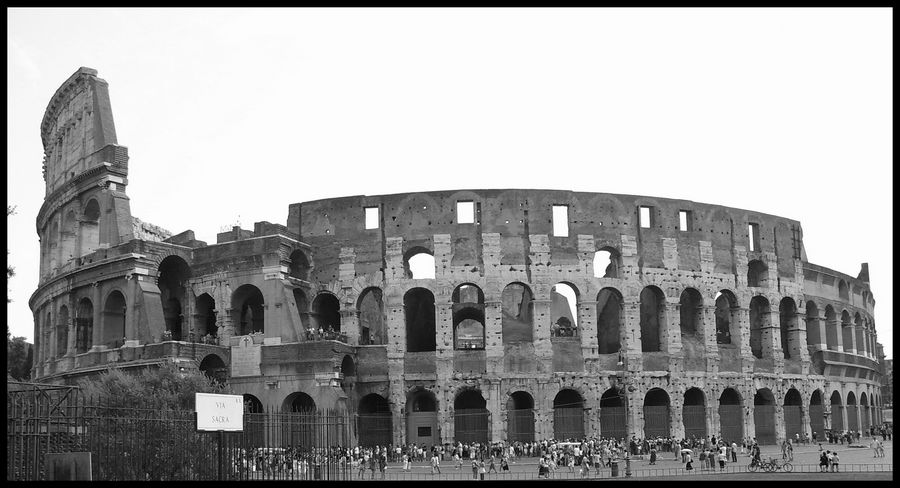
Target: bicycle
<point>771,465</point>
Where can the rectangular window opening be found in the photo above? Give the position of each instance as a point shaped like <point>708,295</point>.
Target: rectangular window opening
<point>372,218</point>
<point>684,220</point>
<point>753,229</point>
<point>423,431</point>
<point>465,212</point>
<point>645,217</point>
<point>561,221</point>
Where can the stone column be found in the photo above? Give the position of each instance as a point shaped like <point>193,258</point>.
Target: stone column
<point>779,420</point>
<point>97,335</point>
<point>587,330</point>
<point>672,339</point>
<point>395,345</point>
<point>493,337</point>
<point>771,336</point>
<point>495,405</point>
<point>543,348</point>
<point>747,357</point>
<point>350,325</point>
<point>708,329</point>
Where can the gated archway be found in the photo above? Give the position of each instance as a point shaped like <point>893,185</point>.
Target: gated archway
<point>731,416</point>
<point>568,415</point>
<point>421,418</point>
<point>852,412</point>
<point>764,416</point>
<point>374,421</point>
<point>837,412</point>
<point>793,414</point>
<point>656,413</point>
<point>817,416</point>
<point>613,414</point>
<point>693,414</point>
<point>471,418</point>
<point>520,417</point>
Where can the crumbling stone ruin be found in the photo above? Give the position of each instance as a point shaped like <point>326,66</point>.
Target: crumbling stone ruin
<point>540,313</point>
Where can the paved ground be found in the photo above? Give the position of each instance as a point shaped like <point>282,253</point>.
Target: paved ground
<point>857,463</point>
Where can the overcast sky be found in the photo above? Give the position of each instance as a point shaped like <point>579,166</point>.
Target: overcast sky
<point>230,115</point>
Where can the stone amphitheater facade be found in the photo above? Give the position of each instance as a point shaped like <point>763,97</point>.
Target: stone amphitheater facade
<point>682,318</point>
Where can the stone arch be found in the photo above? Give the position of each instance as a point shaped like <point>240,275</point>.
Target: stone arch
<point>418,306</point>
<point>370,308</point>
<point>248,309</point>
<point>90,227</point>
<point>847,331</point>
<point>861,343</point>
<point>69,237</point>
<point>837,409</point>
<point>299,402</point>
<point>471,419</point>
<point>613,414</point>
<point>694,413</point>
<point>656,413</point>
<point>418,263</point>
<point>764,416</point>
<point>757,274</point>
<point>852,412</point>
<point>173,274</point>
<point>299,267</point>
<point>568,415</point>
<point>84,325</point>
<point>213,367</point>
<point>62,331</point>
<point>728,323</point>
<point>374,421</point>
<point>790,332</point>
<point>817,415</point>
<point>520,417</point>
<point>252,404</point>
<point>205,314</point>
<point>653,319</point>
<point>468,317</point>
<point>326,314</point>
<point>517,315</point>
<point>302,304</point>
<point>421,418</point>
<point>759,322</point>
<point>843,290</point>
<point>691,311</point>
<point>609,320</point>
<point>563,313</point>
<point>731,415</point>
<point>793,414</point>
<point>114,311</point>
<point>831,328</point>
<point>607,261</point>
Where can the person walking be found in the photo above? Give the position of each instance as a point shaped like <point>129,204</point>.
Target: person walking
<point>688,463</point>
<point>492,466</point>
<point>474,469</point>
<point>835,463</point>
<point>435,464</point>
<point>481,469</point>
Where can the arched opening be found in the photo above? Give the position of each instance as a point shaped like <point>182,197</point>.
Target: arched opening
<point>843,290</point>
<point>847,331</point>
<point>421,418</point>
<point>757,274</point>
<point>793,414</point>
<point>114,320</point>
<point>606,263</point>
<point>173,275</point>
<point>837,412</point>
<point>302,424</point>
<point>471,418</point>
<point>517,314</point>
<point>418,305</point>
<point>299,402</point>
<point>302,304</point>
<point>520,417</point>
<point>790,332</point>
<point>248,309</point>
<point>326,315</point>
<point>568,415</point>
<point>214,368</point>
<point>563,310</point>
<point>468,317</point>
<point>727,318</point>
<point>299,267</point>
<point>813,337</point>
<point>759,321</point>
<point>731,416</point>
<point>865,419</point>
<point>62,331</point>
<point>90,227</point>
<point>84,325</point>
<point>653,306</point>
<point>53,245</point>
<point>68,238</point>
<point>206,316</point>
<point>852,412</point>
<point>656,413</point>
<point>374,421</point>
<point>613,414</point>
<point>691,311</point>
<point>817,416</point>
<point>861,345</point>
<point>694,414</point>
<point>370,310</point>
<point>348,367</point>
<point>764,416</point>
<point>418,264</point>
<point>831,329</point>
<point>609,320</point>
<point>252,404</point>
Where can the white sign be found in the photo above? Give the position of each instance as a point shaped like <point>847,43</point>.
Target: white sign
<point>219,412</point>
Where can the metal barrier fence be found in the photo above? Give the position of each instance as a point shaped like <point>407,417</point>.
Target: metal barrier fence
<point>141,444</point>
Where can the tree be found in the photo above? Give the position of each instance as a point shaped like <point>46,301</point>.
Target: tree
<point>168,387</point>
<point>19,357</point>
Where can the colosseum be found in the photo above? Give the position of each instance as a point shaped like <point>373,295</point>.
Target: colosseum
<point>500,314</point>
